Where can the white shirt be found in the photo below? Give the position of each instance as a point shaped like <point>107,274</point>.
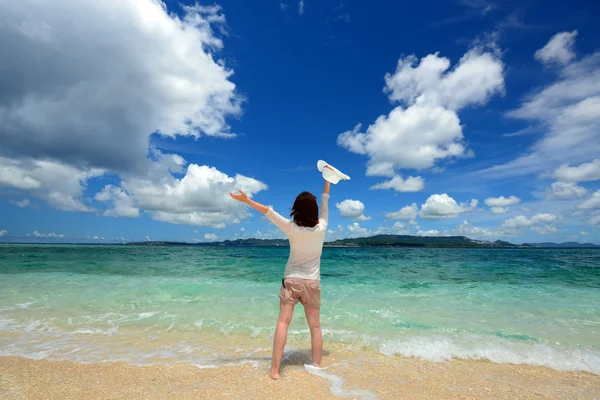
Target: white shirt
<point>306,244</point>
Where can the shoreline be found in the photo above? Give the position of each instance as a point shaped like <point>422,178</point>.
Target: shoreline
<point>345,374</point>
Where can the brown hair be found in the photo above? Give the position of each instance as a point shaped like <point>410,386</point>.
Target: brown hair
<point>305,210</point>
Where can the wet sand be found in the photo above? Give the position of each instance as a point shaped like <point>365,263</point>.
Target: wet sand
<point>377,377</point>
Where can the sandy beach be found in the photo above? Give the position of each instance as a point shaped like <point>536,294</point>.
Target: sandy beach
<point>379,377</point>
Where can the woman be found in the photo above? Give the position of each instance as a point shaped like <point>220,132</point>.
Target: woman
<point>301,279</point>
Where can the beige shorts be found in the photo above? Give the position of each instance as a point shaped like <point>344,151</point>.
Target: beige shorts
<point>305,291</point>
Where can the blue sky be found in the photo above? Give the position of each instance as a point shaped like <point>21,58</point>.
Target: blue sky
<point>133,120</point>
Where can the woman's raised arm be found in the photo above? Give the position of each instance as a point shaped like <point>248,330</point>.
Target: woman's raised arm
<point>243,197</point>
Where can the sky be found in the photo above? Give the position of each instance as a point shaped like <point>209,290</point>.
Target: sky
<point>132,120</point>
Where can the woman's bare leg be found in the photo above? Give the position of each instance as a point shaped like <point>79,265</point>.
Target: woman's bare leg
<point>285,317</point>
<point>316,337</point>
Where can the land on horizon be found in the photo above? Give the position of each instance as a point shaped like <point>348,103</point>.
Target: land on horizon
<point>369,241</point>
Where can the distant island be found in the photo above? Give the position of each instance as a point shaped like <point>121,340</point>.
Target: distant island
<point>383,240</point>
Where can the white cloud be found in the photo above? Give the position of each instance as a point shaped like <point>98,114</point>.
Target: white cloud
<point>565,191</point>
<point>585,172</point>
<point>475,232</point>
<point>569,112</point>
<point>399,140</point>
<point>122,202</point>
<point>545,230</point>
<point>58,184</point>
<point>67,115</point>
<point>399,228</point>
<point>335,234</point>
<point>50,85</point>
<point>147,238</point>
<point>48,235</point>
<point>399,225</point>
<point>211,237</point>
<point>558,50</point>
<point>539,223</point>
<point>477,76</point>
<point>21,203</point>
<point>355,230</point>
<point>200,197</point>
<point>522,221</point>
<point>501,201</point>
<point>430,232</point>
<point>301,7</point>
<point>440,206</point>
<point>352,209</point>
<point>407,212</point>
<point>3,232</point>
<point>583,233</point>
<point>499,205</point>
<point>410,184</point>
<point>592,203</point>
<point>426,129</point>
<point>595,220</point>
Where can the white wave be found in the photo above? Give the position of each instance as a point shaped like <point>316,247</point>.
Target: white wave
<point>145,315</point>
<point>438,348</point>
<point>96,331</point>
<point>336,384</point>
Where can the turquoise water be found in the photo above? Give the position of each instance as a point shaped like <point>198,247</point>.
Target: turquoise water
<point>206,305</point>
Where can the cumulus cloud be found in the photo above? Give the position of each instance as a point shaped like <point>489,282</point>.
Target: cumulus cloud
<point>352,209</point>
<point>540,223</point>
<point>477,76</point>
<point>430,232</point>
<point>475,232</point>
<point>211,237</point>
<point>545,230</point>
<point>200,197</point>
<point>592,203</point>
<point>501,201</point>
<point>407,212</point>
<point>568,111</point>
<point>558,50</point>
<point>441,206</point>
<point>62,99</point>
<point>399,228</point>
<point>355,230</point>
<point>68,115</point>
<point>499,205</point>
<point>58,184</point>
<point>565,191</point>
<point>585,172</point>
<point>335,234</point>
<point>3,232</point>
<point>522,221</point>
<point>48,235</point>
<point>121,201</point>
<point>425,128</point>
<point>410,184</point>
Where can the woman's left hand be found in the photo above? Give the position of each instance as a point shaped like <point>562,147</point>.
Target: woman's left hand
<point>243,197</point>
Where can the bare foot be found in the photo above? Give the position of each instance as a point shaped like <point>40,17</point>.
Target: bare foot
<point>274,375</point>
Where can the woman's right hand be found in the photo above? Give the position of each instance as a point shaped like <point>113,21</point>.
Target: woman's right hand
<point>241,196</point>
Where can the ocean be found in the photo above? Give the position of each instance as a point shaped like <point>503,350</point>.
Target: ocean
<point>215,306</point>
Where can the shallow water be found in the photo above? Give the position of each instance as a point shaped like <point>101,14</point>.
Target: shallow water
<point>209,306</point>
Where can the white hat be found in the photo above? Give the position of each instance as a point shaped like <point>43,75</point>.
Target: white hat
<point>332,175</point>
